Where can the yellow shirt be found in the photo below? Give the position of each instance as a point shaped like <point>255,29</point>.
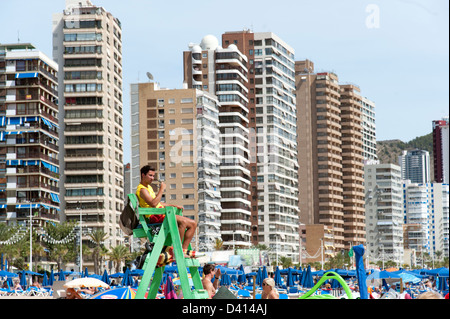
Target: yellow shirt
<point>142,202</point>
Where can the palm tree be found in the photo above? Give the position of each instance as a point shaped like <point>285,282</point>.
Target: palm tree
<point>118,254</point>
<point>98,236</point>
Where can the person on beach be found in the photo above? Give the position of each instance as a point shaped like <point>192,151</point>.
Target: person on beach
<point>148,198</point>
<point>211,272</point>
<point>269,290</point>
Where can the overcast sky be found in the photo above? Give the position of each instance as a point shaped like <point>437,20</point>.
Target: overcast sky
<point>396,51</point>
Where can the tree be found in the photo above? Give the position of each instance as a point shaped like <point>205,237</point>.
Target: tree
<point>118,254</point>
<point>98,236</point>
<point>61,246</point>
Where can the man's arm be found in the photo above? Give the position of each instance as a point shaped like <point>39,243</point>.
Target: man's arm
<point>153,202</point>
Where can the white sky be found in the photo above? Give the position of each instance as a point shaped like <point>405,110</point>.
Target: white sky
<point>396,51</point>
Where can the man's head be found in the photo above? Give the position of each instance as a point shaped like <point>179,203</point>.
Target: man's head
<point>209,269</point>
<point>148,174</point>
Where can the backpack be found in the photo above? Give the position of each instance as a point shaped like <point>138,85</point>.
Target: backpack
<point>128,219</point>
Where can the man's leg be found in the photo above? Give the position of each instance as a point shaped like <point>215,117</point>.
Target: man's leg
<point>186,227</point>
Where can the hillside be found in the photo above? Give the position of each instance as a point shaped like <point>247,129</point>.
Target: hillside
<point>388,151</point>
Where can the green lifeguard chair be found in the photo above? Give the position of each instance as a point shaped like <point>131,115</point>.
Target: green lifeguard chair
<point>168,235</point>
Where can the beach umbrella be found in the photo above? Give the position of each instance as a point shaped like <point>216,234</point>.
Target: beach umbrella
<point>23,279</point>
<point>441,272</point>
<point>277,277</point>
<point>259,279</point>
<point>51,278</point>
<point>61,276</point>
<point>264,273</point>
<point>335,284</point>
<point>117,275</point>
<point>137,272</point>
<point>87,282</point>
<point>116,293</point>
<point>225,280</point>
<point>95,276</point>
<point>45,280</point>
<point>4,273</point>
<point>127,280</point>
<point>241,278</point>
<point>441,283</point>
<point>308,282</point>
<point>105,277</point>
<point>290,279</point>
<point>85,273</point>
<point>360,271</point>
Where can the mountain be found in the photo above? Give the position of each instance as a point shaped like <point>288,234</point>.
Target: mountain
<point>389,151</point>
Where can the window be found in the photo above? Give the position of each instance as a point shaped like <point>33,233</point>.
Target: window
<point>188,185</point>
<point>186,100</point>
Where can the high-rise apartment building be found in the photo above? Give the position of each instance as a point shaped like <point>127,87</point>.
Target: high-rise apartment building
<point>384,212</point>
<point>426,215</point>
<point>441,154</point>
<point>177,133</point>
<point>223,72</point>
<point>262,83</point>
<point>369,129</point>
<point>87,44</point>
<point>29,166</point>
<point>330,137</point>
<point>415,165</point>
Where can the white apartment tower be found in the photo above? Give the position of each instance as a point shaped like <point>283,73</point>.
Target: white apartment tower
<point>426,208</point>
<point>87,44</point>
<point>223,72</point>
<point>384,214</point>
<point>369,129</point>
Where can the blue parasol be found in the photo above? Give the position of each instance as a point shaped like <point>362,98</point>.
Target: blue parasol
<point>61,276</point>
<point>290,278</point>
<point>127,280</point>
<point>23,279</point>
<point>259,279</point>
<point>85,273</point>
<point>241,278</point>
<point>308,280</point>
<point>45,280</point>
<point>264,273</point>
<point>4,273</point>
<point>360,271</point>
<point>277,277</point>
<point>105,278</point>
<point>51,278</point>
<point>225,280</point>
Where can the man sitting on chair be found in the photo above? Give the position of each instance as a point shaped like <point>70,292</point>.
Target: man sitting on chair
<point>148,198</point>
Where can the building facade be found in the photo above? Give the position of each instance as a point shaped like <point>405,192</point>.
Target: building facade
<point>176,131</point>
<point>330,134</point>
<point>425,210</point>
<point>29,128</point>
<point>87,44</point>
<point>223,73</point>
<point>415,165</point>
<point>258,82</point>
<point>384,213</point>
<point>441,154</point>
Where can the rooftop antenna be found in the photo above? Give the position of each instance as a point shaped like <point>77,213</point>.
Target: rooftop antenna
<point>150,76</point>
